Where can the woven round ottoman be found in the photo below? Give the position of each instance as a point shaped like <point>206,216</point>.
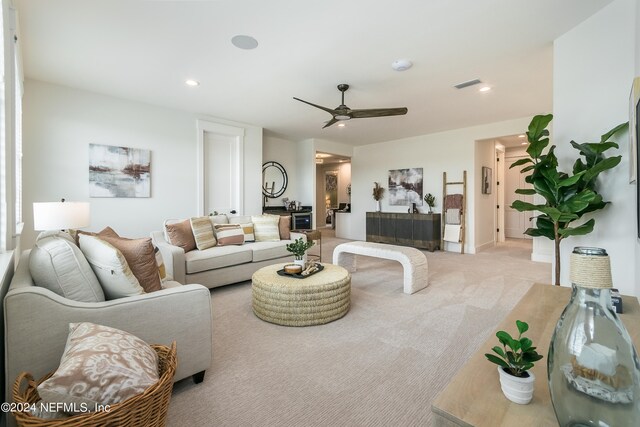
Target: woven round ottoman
<point>289,301</point>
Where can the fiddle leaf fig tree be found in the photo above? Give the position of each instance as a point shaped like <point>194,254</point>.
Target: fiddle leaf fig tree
<point>567,197</point>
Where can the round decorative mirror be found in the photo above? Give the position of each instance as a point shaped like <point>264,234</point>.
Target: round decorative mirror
<point>274,179</point>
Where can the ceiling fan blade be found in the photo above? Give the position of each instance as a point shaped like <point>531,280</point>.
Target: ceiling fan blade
<point>328,110</point>
<point>378,112</point>
<point>330,122</point>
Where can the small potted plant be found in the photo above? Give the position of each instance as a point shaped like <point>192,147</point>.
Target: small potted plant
<point>299,250</point>
<point>430,200</point>
<point>378,191</point>
<point>514,360</point>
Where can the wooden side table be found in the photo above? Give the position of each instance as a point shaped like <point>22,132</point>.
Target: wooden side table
<point>473,398</point>
<point>316,236</point>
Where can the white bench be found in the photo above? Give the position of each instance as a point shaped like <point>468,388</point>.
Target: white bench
<point>413,261</point>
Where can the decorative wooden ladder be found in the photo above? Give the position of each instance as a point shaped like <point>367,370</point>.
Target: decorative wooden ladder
<point>463,210</point>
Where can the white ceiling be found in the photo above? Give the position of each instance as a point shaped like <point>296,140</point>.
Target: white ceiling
<point>144,50</point>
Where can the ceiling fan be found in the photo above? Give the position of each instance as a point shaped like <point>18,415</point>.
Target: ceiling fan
<point>342,112</point>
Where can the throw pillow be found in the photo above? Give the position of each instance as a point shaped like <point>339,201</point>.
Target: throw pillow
<point>56,263</point>
<point>284,227</point>
<point>107,231</point>
<point>141,257</point>
<point>180,234</point>
<point>229,234</point>
<point>203,232</point>
<point>266,227</point>
<point>111,268</point>
<point>162,270</point>
<point>247,229</point>
<point>100,366</point>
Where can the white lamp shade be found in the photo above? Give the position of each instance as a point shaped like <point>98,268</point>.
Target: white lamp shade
<point>61,215</point>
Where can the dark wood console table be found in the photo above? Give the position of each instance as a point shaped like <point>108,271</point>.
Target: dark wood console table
<point>416,230</point>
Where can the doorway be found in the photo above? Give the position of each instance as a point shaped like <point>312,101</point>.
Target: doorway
<point>333,185</point>
<point>220,168</point>
<point>516,223</point>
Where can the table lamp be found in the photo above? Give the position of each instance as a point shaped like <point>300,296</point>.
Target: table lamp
<point>61,215</point>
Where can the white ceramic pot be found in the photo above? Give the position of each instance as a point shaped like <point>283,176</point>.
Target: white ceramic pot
<point>517,389</point>
<point>378,206</point>
<point>302,262</point>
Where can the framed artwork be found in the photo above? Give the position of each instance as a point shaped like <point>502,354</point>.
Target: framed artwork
<point>119,171</point>
<point>487,180</point>
<point>634,97</point>
<point>405,187</point>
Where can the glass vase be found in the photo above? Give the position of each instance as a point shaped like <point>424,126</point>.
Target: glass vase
<point>593,368</point>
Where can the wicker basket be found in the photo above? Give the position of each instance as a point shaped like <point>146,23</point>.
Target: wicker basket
<point>148,408</point>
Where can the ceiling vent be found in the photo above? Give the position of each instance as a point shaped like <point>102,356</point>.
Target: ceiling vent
<point>467,83</point>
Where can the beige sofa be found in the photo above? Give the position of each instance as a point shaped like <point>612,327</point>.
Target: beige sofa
<point>222,265</point>
<point>37,323</point>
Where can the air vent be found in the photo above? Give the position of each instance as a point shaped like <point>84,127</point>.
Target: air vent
<point>467,83</point>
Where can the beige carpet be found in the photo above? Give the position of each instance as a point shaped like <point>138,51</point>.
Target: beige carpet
<point>380,365</point>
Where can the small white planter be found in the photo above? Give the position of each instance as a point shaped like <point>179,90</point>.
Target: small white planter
<point>302,262</point>
<point>517,389</point>
<point>378,206</point>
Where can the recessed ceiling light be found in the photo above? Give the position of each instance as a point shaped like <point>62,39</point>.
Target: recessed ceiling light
<point>191,82</point>
<point>401,64</point>
<point>485,89</point>
<point>322,155</point>
<point>523,143</point>
<point>341,125</point>
<point>521,136</point>
<point>244,42</point>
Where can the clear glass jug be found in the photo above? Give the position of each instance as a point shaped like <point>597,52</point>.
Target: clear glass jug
<point>593,368</point>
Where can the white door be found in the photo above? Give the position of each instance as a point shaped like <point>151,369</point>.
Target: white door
<point>500,167</point>
<point>220,168</point>
<point>515,222</point>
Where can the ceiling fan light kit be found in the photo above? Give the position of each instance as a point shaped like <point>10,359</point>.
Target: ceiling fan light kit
<point>342,112</point>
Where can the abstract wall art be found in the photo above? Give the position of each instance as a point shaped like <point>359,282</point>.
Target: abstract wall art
<point>119,171</point>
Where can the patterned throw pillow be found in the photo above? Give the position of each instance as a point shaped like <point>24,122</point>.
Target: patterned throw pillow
<point>229,234</point>
<point>180,234</point>
<point>162,270</point>
<point>203,232</point>
<point>111,268</point>
<point>100,366</point>
<point>266,228</point>
<point>141,258</point>
<point>247,229</point>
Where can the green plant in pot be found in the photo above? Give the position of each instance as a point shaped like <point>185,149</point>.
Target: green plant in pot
<point>430,200</point>
<point>299,248</point>
<point>514,359</point>
<point>566,197</point>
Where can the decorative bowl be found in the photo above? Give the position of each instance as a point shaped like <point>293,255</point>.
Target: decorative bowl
<point>292,268</point>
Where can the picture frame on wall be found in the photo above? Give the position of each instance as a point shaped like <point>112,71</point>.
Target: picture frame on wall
<point>119,171</point>
<point>487,180</point>
<point>405,187</point>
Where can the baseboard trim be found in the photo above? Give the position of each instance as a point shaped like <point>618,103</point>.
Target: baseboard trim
<point>485,246</point>
<point>535,257</point>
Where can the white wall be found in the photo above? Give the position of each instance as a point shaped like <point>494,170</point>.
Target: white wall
<point>451,151</point>
<point>485,206</point>
<point>60,122</point>
<point>593,70</point>
<point>284,152</point>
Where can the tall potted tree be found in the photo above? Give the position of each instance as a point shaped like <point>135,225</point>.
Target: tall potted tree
<point>567,197</point>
